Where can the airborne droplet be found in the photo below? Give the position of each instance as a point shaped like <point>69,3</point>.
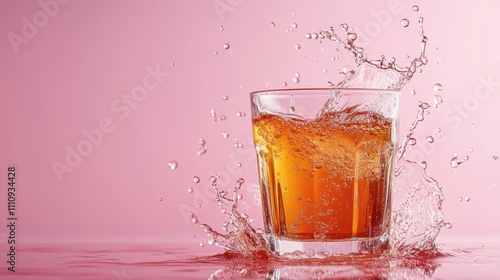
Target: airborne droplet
<point>225,134</point>
<point>297,46</point>
<point>273,24</point>
<point>196,179</point>
<point>437,87</point>
<point>430,139</point>
<point>415,8</point>
<point>405,22</point>
<point>173,164</point>
<point>226,46</point>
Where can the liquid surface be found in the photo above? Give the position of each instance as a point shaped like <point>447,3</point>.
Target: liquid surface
<point>328,177</point>
<point>143,261</point>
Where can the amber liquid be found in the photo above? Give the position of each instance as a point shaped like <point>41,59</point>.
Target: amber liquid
<point>327,178</point>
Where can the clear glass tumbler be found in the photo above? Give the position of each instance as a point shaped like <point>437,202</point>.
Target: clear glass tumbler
<point>325,160</point>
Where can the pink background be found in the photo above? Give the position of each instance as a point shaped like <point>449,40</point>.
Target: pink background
<point>67,74</point>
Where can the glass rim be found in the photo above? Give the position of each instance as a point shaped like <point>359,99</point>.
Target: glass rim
<point>319,91</point>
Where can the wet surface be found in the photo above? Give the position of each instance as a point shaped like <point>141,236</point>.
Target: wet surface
<point>189,261</point>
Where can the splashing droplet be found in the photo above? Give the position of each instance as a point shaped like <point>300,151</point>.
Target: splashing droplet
<point>295,80</point>
<point>294,25</point>
<point>308,36</point>
<point>413,92</point>
<point>460,198</point>
<point>285,84</point>
<point>240,114</point>
<point>224,97</point>
<point>405,22</point>
<point>173,165</point>
<point>226,46</point>
<point>190,190</point>
<point>196,179</point>
<point>455,161</point>
<point>437,87</point>
<point>273,24</point>
<point>467,198</point>
<point>202,244</point>
<point>225,134</point>
<point>430,139</point>
<point>161,199</point>
<point>495,157</point>
<point>213,179</point>
<point>202,141</point>
<point>412,141</point>
<point>415,8</point>
<point>221,28</point>
<point>438,100</point>
<point>238,145</point>
<point>448,225</point>
<point>297,46</point>
<point>473,126</point>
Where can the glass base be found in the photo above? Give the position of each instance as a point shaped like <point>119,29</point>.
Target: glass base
<point>368,247</point>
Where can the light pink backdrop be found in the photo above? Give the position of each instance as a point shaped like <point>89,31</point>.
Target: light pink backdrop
<point>65,67</point>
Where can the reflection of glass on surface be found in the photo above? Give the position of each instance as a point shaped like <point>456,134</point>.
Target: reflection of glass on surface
<point>325,165</point>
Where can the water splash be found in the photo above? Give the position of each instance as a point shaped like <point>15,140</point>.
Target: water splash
<point>417,215</point>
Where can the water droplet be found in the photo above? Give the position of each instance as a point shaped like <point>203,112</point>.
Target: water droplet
<point>295,80</point>
<point>173,164</point>
<point>430,139</point>
<point>239,164</point>
<point>199,206</point>
<point>413,92</point>
<point>285,84</point>
<point>293,13</point>
<point>344,26</point>
<point>172,64</point>
<point>297,46</point>
<point>224,97</point>
<point>240,114</point>
<point>225,134</point>
<point>273,24</point>
<point>437,100</point>
<point>437,87</point>
<point>196,179</point>
<point>315,36</point>
<point>221,28</point>
<point>448,225</point>
<point>216,52</point>
<point>495,157</point>
<point>473,126</point>
<point>405,22</point>
<point>294,25</point>
<point>226,46</point>
<point>466,198</point>
<point>459,198</point>
<point>415,8</point>
<point>190,190</point>
<point>238,145</point>
<point>161,199</point>
<point>308,36</point>
<point>423,164</point>
<point>202,141</point>
<point>412,141</point>
<point>213,179</point>
<point>202,244</point>
<point>325,71</point>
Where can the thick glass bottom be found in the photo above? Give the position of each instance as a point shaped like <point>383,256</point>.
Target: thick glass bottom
<point>367,247</point>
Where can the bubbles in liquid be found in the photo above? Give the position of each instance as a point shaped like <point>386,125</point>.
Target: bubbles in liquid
<point>405,22</point>
<point>437,87</point>
<point>415,8</point>
<point>196,179</point>
<point>273,24</point>
<point>430,139</point>
<point>226,46</point>
<point>173,164</point>
<point>297,46</point>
